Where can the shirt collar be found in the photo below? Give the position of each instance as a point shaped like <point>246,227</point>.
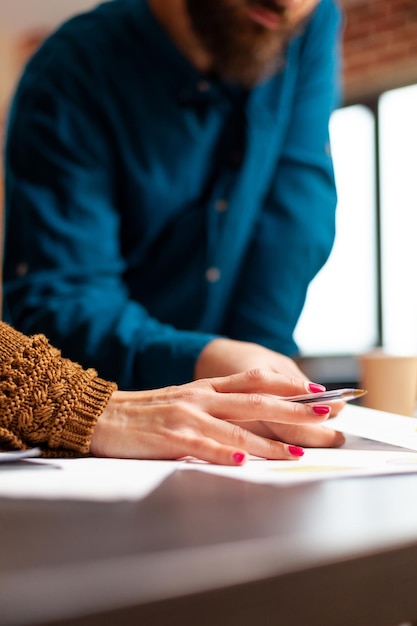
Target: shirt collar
<point>185,82</point>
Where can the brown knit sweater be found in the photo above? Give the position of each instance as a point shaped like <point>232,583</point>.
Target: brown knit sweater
<point>46,400</point>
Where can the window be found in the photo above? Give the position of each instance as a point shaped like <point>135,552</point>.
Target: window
<point>398,161</point>
<point>340,314</point>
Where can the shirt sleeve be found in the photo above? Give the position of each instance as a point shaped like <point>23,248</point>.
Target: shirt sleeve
<point>46,400</point>
<point>295,232</point>
<point>64,261</point>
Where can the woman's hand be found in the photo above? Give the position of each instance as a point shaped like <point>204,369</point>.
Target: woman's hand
<point>208,419</point>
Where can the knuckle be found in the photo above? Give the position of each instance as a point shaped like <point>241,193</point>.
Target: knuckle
<point>295,382</point>
<point>300,412</point>
<point>256,400</point>
<point>273,449</point>
<point>238,434</point>
<point>191,394</point>
<point>256,374</point>
<point>188,393</point>
<point>179,416</point>
<point>194,443</point>
<point>173,390</point>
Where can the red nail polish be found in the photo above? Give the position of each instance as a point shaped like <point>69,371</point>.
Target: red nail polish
<point>295,450</point>
<point>316,388</point>
<point>320,410</point>
<point>238,457</point>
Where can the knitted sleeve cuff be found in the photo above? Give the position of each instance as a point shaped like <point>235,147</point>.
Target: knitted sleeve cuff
<point>80,410</point>
<point>46,400</point>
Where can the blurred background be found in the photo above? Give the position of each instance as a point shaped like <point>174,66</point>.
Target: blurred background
<point>366,295</point>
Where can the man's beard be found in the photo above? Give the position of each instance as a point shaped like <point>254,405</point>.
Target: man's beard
<point>242,51</point>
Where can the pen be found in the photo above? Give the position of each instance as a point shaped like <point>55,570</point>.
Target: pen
<point>343,395</point>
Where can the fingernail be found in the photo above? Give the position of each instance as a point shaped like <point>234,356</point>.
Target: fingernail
<point>295,450</point>
<point>316,388</point>
<point>239,457</point>
<point>320,410</point>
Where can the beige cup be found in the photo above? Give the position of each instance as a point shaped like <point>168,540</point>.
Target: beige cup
<point>390,381</point>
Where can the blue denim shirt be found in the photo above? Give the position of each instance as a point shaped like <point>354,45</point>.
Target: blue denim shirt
<point>151,208</point>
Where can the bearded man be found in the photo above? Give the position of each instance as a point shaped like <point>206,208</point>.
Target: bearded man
<point>170,189</point>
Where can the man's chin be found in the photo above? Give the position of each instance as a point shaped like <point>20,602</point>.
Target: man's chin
<point>248,75</point>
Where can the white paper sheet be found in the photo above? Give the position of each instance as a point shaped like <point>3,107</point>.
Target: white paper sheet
<point>84,479</point>
<point>317,464</point>
<point>18,455</point>
<point>382,452</point>
<point>377,443</point>
<point>397,430</point>
<point>115,480</point>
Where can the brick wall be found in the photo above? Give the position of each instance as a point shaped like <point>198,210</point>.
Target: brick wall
<point>380,46</point>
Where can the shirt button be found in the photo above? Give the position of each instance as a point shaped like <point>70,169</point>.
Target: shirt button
<point>213,274</point>
<point>221,205</point>
<point>22,269</point>
<point>203,86</point>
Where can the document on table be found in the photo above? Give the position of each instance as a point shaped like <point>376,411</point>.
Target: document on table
<point>114,480</point>
<point>317,464</point>
<point>83,479</point>
<point>397,430</point>
<point>18,455</point>
<point>377,443</point>
<point>384,451</point>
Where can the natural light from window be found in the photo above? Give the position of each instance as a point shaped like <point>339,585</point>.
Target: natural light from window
<point>340,315</point>
<point>398,150</point>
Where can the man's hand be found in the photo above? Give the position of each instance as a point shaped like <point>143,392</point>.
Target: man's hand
<point>222,357</point>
